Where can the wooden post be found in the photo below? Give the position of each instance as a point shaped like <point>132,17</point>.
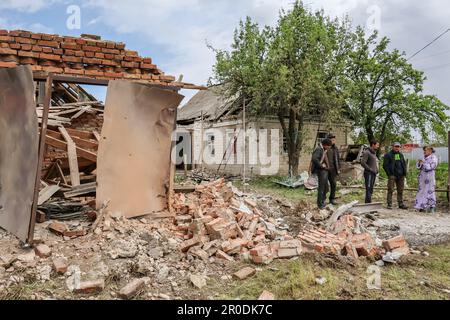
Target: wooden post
<point>73,158</point>
<point>202,143</point>
<point>47,101</point>
<point>245,146</point>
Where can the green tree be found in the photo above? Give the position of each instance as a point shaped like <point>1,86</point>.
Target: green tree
<point>291,71</point>
<point>385,93</point>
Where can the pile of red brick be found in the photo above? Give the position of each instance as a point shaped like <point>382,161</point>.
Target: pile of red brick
<point>214,222</point>
<point>83,56</point>
<point>342,239</point>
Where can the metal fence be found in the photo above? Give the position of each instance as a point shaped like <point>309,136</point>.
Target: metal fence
<point>417,154</point>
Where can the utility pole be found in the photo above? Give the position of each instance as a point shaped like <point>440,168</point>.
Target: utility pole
<point>245,146</point>
<point>202,143</point>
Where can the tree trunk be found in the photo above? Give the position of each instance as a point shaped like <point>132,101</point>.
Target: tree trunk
<point>292,138</point>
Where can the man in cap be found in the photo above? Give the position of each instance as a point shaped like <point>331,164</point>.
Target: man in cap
<point>321,167</point>
<point>394,165</point>
<point>333,173</point>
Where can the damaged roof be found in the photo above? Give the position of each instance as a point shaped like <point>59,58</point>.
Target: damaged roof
<point>212,102</point>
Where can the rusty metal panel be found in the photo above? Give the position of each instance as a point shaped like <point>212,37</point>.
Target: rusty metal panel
<point>18,149</point>
<point>133,165</point>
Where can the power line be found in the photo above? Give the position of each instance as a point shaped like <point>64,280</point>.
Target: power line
<point>429,44</point>
<point>433,55</point>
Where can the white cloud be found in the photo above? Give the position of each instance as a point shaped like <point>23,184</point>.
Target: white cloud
<point>29,6</point>
<point>182,28</point>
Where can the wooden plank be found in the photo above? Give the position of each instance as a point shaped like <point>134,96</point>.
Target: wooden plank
<point>72,154</point>
<point>60,172</point>
<point>80,134</point>
<point>81,190</point>
<point>96,135</point>
<point>43,134</point>
<point>47,193</point>
<point>82,143</point>
<point>80,113</point>
<point>88,155</point>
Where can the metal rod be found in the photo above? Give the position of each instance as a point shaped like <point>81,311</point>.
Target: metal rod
<point>47,101</point>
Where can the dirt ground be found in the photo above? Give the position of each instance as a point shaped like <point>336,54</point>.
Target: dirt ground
<point>141,248</point>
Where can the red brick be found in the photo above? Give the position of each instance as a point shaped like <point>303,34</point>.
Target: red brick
<point>60,265</point>
<point>92,61</point>
<point>45,43</point>
<point>70,40</point>
<point>72,59</point>
<point>147,60</point>
<point>132,65</point>
<point>26,47</point>
<point>79,53</point>
<point>92,49</point>
<point>80,41</point>
<point>111,51</point>
<point>6,51</point>
<point>131,53</point>
<point>7,64</point>
<point>6,39</point>
<point>109,56</point>
<point>89,54</point>
<point>186,245</point>
<point>47,50</point>
<point>394,243</point>
<point>48,63</point>
<point>27,60</point>
<point>69,52</point>
<point>15,46</point>
<point>95,73</point>
<point>114,74</point>
<point>36,49</point>
<point>90,287</point>
<point>36,36</point>
<point>244,273</point>
<point>43,251</point>
<point>25,34</point>
<point>25,40</point>
<point>3,32</point>
<point>48,37</point>
<point>70,46</point>
<point>222,255</point>
<point>52,57</point>
<point>15,33</point>
<point>58,51</point>
<point>266,296</point>
<point>132,289</point>
<point>99,55</point>
<point>110,45</point>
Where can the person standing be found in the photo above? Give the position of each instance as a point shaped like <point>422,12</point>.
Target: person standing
<point>426,195</point>
<point>370,164</point>
<point>321,167</point>
<point>394,165</point>
<point>333,173</point>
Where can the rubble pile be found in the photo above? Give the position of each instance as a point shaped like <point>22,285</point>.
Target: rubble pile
<point>215,221</point>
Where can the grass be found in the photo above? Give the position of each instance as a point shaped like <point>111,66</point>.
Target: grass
<point>416,277</point>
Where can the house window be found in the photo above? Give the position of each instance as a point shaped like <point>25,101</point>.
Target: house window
<point>321,135</point>
<point>231,145</point>
<point>210,146</point>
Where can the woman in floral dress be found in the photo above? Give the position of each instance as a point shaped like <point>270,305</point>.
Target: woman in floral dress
<point>426,195</point>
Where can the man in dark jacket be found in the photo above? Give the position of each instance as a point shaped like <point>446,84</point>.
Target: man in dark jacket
<point>394,165</point>
<point>321,167</point>
<point>370,164</point>
<point>333,173</point>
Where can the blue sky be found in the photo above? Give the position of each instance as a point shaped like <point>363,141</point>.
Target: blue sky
<point>174,32</point>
